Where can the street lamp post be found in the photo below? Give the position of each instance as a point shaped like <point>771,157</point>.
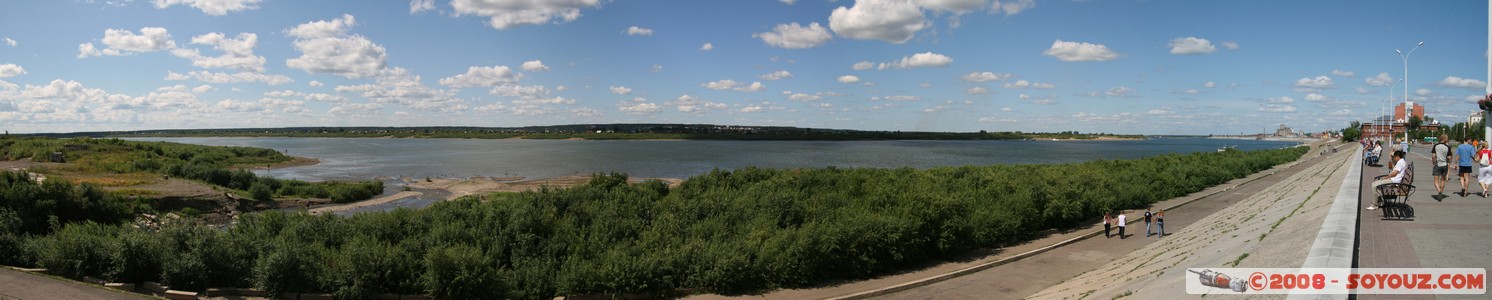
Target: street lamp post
<point>1390,86</point>
<point>1407,110</point>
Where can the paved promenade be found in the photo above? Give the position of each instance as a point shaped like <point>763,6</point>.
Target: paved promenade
<point>21,285</point>
<point>1445,232</point>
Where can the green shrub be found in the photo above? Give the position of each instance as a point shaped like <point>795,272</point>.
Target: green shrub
<point>287,267</point>
<point>83,249</point>
<point>261,192</point>
<point>140,257</point>
<point>461,272</point>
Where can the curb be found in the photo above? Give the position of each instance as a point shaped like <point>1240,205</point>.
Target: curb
<point>980,267</point>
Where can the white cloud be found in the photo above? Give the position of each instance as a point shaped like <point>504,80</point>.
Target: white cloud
<point>1041,85</point>
<point>314,83</point>
<point>634,30</point>
<point>863,65</point>
<point>804,97</point>
<point>1314,97</point>
<point>788,2</point>
<point>638,107</point>
<point>1340,112</point>
<point>919,60</point>
<point>794,36</point>
<point>11,70</point>
<point>238,52</point>
<point>725,84</point>
<point>1006,109</point>
<point>534,66</point>
<point>506,14</point>
<point>326,48</point>
<point>211,7</point>
<point>1230,45</point>
<point>356,109</point>
<point>10,42</point>
<point>656,69</point>
<point>1424,92</point>
<point>521,91</point>
<point>124,42</point>
<point>707,47</point>
<point>898,98</point>
<point>1281,100</point>
<point>690,104</point>
<point>894,21</point>
<point>214,77</point>
<point>1280,108</point>
<point>1308,84</point>
<point>324,28</point>
<point>1191,46</point>
<point>986,76</point>
<point>399,86</point>
<point>755,86</point>
<point>1076,51</point>
<point>1011,7</point>
<point>1210,84</point>
<point>1018,84</point>
<point>728,84</point>
<point>1120,92</point>
<point>482,76</point>
<point>1458,82</point>
<point>203,89</point>
<point>585,112</point>
<point>620,90</point>
<point>780,74</point>
<point>1380,80</point>
<point>416,6</point>
<point>977,90</point>
<point>849,79</point>
<point>1343,73</point>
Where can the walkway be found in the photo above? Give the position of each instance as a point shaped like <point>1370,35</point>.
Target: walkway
<point>21,285</point>
<point>1452,232</point>
<point>1015,280</point>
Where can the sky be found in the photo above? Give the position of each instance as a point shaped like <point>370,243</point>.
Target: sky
<point>1099,66</point>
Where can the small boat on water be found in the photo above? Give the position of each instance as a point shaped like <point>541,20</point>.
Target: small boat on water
<point>1227,148</point>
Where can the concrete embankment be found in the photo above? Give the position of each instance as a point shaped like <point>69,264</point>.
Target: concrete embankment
<point>1276,227</point>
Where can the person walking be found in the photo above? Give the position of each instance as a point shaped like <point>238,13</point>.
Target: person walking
<point>1463,156</point>
<point>1147,222</point>
<point>1122,220</point>
<point>1484,174</point>
<point>1440,155</point>
<point>1160,221</point>
<point>1108,222</point>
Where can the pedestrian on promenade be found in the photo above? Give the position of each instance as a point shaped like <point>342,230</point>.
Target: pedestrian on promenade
<point>1108,222</point>
<point>1440,155</point>
<point>1147,222</point>
<point>1160,221</point>
<point>1484,175</point>
<point>1122,220</point>
<point>1399,168</point>
<point>1464,152</point>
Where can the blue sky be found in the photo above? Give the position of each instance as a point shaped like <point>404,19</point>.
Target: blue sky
<point>1149,67</point>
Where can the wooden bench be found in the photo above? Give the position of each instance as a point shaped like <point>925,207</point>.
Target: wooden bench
<point>1395,194</point>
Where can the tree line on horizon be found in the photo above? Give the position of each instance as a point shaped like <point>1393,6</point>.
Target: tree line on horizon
<point>727,231</point>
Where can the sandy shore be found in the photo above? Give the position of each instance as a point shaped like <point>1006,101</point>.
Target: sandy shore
<point>364,203</point>
<point>458,187</point>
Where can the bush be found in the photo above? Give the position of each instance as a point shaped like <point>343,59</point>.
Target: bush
<point>460,272</point>
<point>84,249</point>
<point>141,256</point>
<point>289,266</point>
<point>261,192</point>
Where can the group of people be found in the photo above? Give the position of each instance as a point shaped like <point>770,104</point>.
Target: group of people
<point>1157,219</point>
<point>1466,158</point>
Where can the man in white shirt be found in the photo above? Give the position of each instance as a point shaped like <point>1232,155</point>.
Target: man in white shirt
<point>1122,221</point>
<point>1397,175</point>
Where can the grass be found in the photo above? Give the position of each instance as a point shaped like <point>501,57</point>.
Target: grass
<point>1239,259</point>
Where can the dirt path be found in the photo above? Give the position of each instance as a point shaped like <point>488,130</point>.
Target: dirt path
<point>364,203</point>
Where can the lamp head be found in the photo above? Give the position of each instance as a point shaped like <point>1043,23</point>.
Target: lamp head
<point>1421,43</point>
<point>1399,52</point>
